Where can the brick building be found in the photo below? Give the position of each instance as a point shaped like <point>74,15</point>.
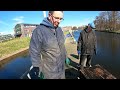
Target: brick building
<point>24,29</point>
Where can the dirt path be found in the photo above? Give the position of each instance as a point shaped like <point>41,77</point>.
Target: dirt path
<point>71,48</point>
<point>71,70</point>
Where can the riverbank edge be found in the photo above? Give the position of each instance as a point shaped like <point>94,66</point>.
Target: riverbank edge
<point>108,32</point>
<point>15,54</point>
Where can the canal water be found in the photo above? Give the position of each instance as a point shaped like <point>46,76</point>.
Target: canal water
<point>14,68</point>
<point>108,51</point>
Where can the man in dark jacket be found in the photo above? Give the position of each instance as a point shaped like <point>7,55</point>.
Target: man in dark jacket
<point>87,46</point>
<point>47,49</point>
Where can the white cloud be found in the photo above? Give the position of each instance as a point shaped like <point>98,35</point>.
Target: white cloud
<point>85,22</point>
<point>18,19</point>
<point>4,23</point>
<point>7,32</point>
<point>1,33</point>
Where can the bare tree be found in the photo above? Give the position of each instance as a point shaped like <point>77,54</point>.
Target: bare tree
<point>108,20</point>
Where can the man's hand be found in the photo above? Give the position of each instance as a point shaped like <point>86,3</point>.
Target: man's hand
<point>95,51</point>
<point>67,61</point>
<point>78,48</point>
<point>34,73</point>
<point>79,52</point>
<point>41,76</point>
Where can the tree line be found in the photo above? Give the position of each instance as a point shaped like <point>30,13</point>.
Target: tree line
<point>108,21</point>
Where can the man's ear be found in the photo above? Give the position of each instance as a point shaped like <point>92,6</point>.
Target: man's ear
<point>49,15</point>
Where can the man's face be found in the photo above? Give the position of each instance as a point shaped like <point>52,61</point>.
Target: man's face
<point>89,28</point>
<point>56,18</point>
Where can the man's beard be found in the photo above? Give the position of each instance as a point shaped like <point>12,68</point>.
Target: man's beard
<point>56,25</point>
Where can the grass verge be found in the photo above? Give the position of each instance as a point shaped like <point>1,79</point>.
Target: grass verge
<point>13,45</point>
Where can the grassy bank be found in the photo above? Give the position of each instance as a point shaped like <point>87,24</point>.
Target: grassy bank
<point>117,32</point>
<point>66,32</point>
<point>13,45</point>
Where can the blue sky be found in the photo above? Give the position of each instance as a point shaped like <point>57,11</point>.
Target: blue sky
<point>8,19</point>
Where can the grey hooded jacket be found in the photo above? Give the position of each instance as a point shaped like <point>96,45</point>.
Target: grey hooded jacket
<point>47,50</point>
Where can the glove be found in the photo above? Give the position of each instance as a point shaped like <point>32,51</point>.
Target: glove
<point>41,76</point>
<point>78,48</point>
<point>34,73</point>
<point>79,52</point>
<point>67,61</point>
<point>95,51</point>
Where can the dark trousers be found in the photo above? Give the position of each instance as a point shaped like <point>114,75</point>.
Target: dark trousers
<point>85,60</point>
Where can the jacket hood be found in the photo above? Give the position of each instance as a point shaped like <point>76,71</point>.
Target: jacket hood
<point>47,23</point>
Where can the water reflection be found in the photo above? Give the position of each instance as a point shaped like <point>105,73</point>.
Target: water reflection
<point>108,48</point>
<point>15,68</point>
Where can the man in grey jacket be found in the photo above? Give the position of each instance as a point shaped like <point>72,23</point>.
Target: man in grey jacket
<point>87,46</point>
<point>47,49</point>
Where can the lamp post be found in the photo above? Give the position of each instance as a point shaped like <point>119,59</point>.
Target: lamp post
<point>44,13</point>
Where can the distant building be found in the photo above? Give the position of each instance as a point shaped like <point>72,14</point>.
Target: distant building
<point>67,28</point>
<point>24,29</point>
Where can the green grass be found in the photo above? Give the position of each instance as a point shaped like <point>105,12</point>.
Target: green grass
<point>11,46</point>
<point>117,31</point>
<point>66,32</point>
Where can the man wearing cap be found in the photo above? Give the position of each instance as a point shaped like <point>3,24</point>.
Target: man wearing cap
<point>87,45</point>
